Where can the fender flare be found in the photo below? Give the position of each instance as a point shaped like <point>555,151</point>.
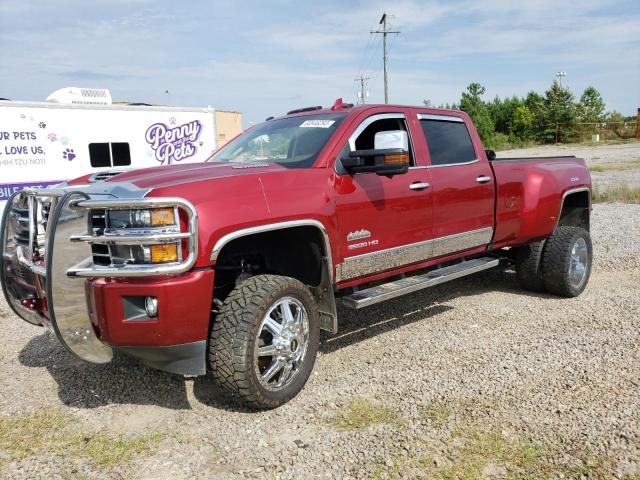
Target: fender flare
<point>324,293</point>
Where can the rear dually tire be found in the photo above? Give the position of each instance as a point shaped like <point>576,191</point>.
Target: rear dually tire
<point>566,261</point>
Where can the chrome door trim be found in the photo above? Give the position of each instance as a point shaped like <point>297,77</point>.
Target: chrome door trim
<point>306,222</point>
<point>462,241</point>
<point>483,179</point>
<point>443,118</point>
<point>390,258</point>
<point>453,164</point>
<point>419,185</point>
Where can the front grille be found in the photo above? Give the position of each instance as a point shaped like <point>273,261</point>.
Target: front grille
<point>100,252</point>
<point>20,220</point>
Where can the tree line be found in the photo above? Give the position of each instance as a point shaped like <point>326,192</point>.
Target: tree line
<point>535,118</point>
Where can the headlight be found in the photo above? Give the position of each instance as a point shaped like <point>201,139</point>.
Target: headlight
<point>145,222</point>
<point>147,218</point>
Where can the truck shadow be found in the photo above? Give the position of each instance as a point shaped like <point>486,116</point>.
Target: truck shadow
<point>86,385</point>
<point>422,306</point>
<point>125,380</point>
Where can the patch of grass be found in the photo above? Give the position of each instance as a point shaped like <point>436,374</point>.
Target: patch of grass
<point>614,166</point>
<point>51,432</point>
<point>480,452</point>
<point>363,413</point>
<point>437,413</point>
<point>622,193</point>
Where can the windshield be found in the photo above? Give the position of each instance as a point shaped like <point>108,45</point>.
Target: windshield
<point>293,142</point>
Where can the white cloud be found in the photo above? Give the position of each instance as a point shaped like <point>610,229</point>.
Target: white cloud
<point>266,58</point>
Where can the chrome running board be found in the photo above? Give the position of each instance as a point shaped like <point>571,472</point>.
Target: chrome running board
<point>396,288</point>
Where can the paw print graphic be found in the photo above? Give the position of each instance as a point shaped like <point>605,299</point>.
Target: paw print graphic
<point>42,125</point>
<point>64,140</point>
<point>68,154</point>
<point>53,137</point>
<point>172,120</point>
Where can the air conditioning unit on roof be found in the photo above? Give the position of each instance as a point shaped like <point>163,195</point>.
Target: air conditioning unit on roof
<point>81,96</point>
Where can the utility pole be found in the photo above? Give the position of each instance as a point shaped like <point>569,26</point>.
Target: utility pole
<point>384,32</point>
<point>560,75</point>
<point>363,94</point>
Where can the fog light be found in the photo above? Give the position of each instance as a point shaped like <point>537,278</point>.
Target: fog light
<point>151,306</point>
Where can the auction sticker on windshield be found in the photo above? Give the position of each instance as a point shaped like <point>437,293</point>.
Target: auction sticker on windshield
<point>317,123</point>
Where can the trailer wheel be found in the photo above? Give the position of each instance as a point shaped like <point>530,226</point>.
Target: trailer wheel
<point>566,261</point>
<point>264,341</point>
<point>529,266</point>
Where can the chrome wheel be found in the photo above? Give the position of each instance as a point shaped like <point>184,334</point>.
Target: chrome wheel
<point>578,262</point>
<point>281,346</point>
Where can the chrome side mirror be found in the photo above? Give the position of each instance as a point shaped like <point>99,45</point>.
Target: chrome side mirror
<point>396,139</point>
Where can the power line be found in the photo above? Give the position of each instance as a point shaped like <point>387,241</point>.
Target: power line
<point>384,32</point>
<point>362,94</point>
<point>372,55</point>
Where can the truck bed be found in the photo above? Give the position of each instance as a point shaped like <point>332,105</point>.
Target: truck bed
<point>529,194</point>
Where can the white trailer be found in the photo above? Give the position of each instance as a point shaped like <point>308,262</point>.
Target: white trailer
<point>44,143</point>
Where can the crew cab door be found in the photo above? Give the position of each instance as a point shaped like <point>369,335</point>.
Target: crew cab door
<point>462,184</point>
<point>379,215</point>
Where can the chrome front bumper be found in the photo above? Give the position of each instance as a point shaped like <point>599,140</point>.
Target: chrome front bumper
<point>46,239</point>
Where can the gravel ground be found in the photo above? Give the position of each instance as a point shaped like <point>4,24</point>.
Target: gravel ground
<point>619,163</point>
<point>470,379</point>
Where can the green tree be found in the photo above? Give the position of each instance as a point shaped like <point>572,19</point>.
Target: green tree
<point>522,123</point>
<point>558,115</point>
<point>615,123</point>
<point>615,117</point>
<point>472,103</point>
<point>502,112</point>
<point>591,106</point>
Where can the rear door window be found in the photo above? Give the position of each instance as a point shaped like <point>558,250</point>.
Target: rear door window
<point>448,141</point>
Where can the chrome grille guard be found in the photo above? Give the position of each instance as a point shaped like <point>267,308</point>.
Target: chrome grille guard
<point>46,240</point>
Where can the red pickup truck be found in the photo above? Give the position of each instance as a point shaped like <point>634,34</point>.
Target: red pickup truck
<point>234,266</point>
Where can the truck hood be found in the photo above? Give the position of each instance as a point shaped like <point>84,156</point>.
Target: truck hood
<point>177,175</point>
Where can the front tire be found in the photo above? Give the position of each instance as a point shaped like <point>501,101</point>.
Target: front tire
<point>566,261</point>
<point>264,341</point>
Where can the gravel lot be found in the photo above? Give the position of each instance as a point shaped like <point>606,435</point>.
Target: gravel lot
<point>610,164</point>
<point>471,379</point>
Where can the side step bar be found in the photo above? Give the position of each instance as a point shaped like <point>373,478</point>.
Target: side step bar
<point>386,291</point>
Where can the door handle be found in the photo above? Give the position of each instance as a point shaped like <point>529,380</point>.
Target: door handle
<point>419,185</point>
<point>483,179</point>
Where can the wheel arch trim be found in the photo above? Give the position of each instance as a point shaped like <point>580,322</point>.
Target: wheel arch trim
<point>245,232</point>
<point>324,292</point>
<point>567,194</point>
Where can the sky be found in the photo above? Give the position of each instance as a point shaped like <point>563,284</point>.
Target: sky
<point>263,58</point>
